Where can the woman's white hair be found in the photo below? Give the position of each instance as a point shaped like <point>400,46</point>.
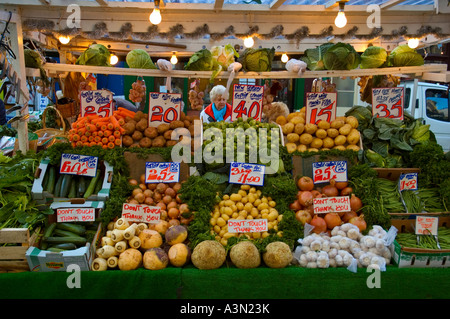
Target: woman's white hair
<point>218,90</point>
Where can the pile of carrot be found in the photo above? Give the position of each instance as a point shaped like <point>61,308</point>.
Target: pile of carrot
<point>92,130</point>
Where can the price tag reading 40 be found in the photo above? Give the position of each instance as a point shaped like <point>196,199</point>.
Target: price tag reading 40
<point>164,108</point>
<point>97,102</point>
<point>407,181</point>
<point>162,172</point>
<point>320,106</point>
<point>244,173</point>
<point>388,102</point>
<point>247,101</point>
<point>326,171</point>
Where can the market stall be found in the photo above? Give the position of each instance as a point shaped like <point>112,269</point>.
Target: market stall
<point>292,192</point>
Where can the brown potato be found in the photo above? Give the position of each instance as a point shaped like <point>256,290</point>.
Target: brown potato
<point>151,132</point>
<point>292,137</point>
<point>321,133</point>
<point>306,139</point>
<point>167,134</point>
<point>302,148</point>
<point>340,140</point>
<point>310,128</point>
<point>299,128</point>
<point>129,127</point>
<point>171,143</point>
<point>127,140</point>
<point>353,121</point>
<point>332,132</point>
<point>345,129</point>
<point>137,135</point>
<point>142,125</point>
<point>328,142</point>
<point>139,115</point>
<point>337,123</point>
<point>163,128</point>
<point>316,143</point>
<point>288,128</point>
<point>291,147</point>
<point>145,142</point>
<point>176,124</point>
<point>323,125</point>
<point>159,141</point>
<point>182,116</point>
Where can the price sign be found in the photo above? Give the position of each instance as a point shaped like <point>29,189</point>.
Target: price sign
<point>407,181</point>
<point>388,102</point>
<point>140,213</point>
<point>75,164</point>
<point>80,214</point>
<point>326,171</point>
<point>98,102</point>
<point>164,108</point>
<point>247,225</point>
<point>247,101</point>
<point>426,225</point>
<point>338,204</point>
<point>162,172</point>
<point>244,173</point>
<point>320,106</point>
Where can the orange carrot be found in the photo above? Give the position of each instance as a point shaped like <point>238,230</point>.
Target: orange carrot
<point>92,143</point>
<point>118,141</point>
<point>115,123</point>
<point>81,131</point>
<point>97,139</point>
<point>107,133</point>
<point>92,117</point>
<point>110,126</point>
<point>125,111</point>
<point>105,140</point>
<point>91,127</point>
<point>84,138</point>
<point>87,133</point>
<point>91,138</point>
<point>86,144</point>
<point>121,121</point>
<point>100,133</point>
<point>104,127</point>
<point>76,137</point>
<point>95,133</point>
<point>104,146</point>
<point>111,138</point>
<point>99,143</point>
<point>111,145</point>
<point>117,134</point>
<point>79,143</point>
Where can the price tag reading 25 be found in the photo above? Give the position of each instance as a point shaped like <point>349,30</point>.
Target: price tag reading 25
<point>244,173</point>
<point>388,102</point>
<point>247,101</point>
<point>164,108</point>
<point>162,172</point>
<point>320,106</point>
<point>97,102</point>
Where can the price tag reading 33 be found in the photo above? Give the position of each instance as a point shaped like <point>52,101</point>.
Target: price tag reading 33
<point>247,101</point>
<point>244,173</point>
<point>97,102</point>
<point>320,106</point>
<point>164,108</point>
<point>162,172</point>
<point>388,102</point>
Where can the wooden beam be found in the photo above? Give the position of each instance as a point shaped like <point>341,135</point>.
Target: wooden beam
<point>388,4</point>
<point>46,2</point>
<point>331,4</point>
<point>218,4</point>
<point>103,3</point>
<point>275,4</point>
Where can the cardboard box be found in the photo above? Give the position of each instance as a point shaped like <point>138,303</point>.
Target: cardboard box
<point>408,257</point>
<point>393,174</point>
<point>303,166</point>
<point>43,197</point>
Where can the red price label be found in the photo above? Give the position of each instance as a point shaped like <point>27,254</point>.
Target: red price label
<point>244,173</point>
<point>388,102</point>
<point>407,181</point>
<point>164,108</point>
<point>247,101</point>
<point>156,172</point>
<point>326,171</point>
<point>320,106</point>
<point>97,102</point>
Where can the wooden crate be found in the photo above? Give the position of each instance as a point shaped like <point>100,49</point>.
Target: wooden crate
<point>12,257</point>
<point>393,174</point>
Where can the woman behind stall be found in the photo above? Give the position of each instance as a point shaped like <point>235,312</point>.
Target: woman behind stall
<point>219,110</point>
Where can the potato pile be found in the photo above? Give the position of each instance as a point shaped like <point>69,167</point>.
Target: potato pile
<point>247,203</point>
<point>163,195</point>
<point>341,133</point>
<point>139,134</point>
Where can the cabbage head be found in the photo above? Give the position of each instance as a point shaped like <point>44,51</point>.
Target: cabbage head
<point>373,57</point>
<point>96,54</point>
<point>257,60</point>
<point>224,55</point>
<point>341,56</point>
<point>313,57</point>
<point>203,60</point>
<point>139,59</point>
<point>403,55</point>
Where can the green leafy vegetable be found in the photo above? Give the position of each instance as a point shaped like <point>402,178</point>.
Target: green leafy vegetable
<point>341,56</point>
<point>314,57</point>
<point>139,59</point>
<point>373,57</point>
<point>403,55</point>
<point>96,54</point>
<point>257,60</point>
<point>203,60</point>
<point>225,55</point>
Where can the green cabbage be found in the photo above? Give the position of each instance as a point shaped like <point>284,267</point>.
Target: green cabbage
<point>96,54</point>
<point>341,56</point>
<point>203,60</point>
<point>373,57</point>
<point>139,59</point>
<point>313,57</point>
<point>257,60</point>
<point>224,55</point>
<point>403,55</point>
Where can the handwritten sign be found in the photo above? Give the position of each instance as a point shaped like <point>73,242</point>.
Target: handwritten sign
<point>245,173</point>
<point>388,102</point>
<point>320,106</point>
<point>407,181</point>
<point>96,102</point>
<point>141,213</point>
<point>326,171</point>
<point>247,101</point>
<point>336,204</point>
<point>75,164</point>
<point>164,108</point>
<point>426,225</point>
<point>79,214</point>
<point>162,172</point>
<point>247,225</point>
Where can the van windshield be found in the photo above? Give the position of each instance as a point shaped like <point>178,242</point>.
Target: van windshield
<point>437,104</point>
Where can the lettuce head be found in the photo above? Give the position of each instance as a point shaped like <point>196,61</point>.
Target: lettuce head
<point>203,60</point>
<point>313,57</point>
<point>96,54</point>
<point>225,55</point>
<point>403,55</point>
<point>139,59</point>
<point>373,57</point>
<point>257,60</point>
<point>341,56</point>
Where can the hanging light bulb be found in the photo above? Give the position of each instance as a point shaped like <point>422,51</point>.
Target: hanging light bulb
<point>249,42</point>
<point>155,16</point>
<point>64,39</point>
<point>173,59</point>
<point>341,19</point>
<point>284,58</point>
<point>113,59</point>
<point>413,43</point>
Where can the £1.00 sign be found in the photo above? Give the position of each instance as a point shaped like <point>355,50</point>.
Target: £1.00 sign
<point>320,106</point>
<point>407,181</point>
<point>97,102</point>
<point>75,164</point>
<point>388,102</point>
<point>162,172</point>
<point>244,173</point>
<point>164,108</point>
<point>247,101</point>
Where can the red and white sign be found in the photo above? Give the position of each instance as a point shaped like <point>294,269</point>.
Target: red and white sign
<point>141,213</point>
<point>388,102</point>
<point>162,172</point>
<point>326,171</point>
<point>336,204</point>
<point>247,101</point>
<point>245,173</point>
<point>426,225</point>
<point>320,106</point>
<point>98,102</point>
<point>79,214</point>
<point>247,225</point>
<point>164,108</point>
<point>407,181</point>
<point>75,164</point>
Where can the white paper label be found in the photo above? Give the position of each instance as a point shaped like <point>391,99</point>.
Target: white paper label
<point>247,225</point>
<point>336,204</point>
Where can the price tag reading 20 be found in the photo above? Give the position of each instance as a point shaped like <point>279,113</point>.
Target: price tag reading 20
<point>162,172</point>
<point>388,102</point>
<point>164,108</point>
<point>97,102</point>
<point>320,106</point>
<point>244,173</point>
<point>247,101</point>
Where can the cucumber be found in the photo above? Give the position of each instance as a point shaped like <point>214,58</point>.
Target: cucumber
<point>65,233</point>
<point>56,250</point>
<point>51,180</point>
<point>73,228</point>
<point>58,186</point>
<point>81,186</point>
<point>78,241</point>
<point>91,187</point>
<point>47,233</point>
<point>65,185</point>
<point>65,246</point>
<point>98,185</point>
<point>45,180</point>
<point>73,189</point>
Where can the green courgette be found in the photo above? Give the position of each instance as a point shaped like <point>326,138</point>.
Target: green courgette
<point>57,191</point>
<point>65,233</point>
<point>51,180</point>
<point>56,250</point>
<point>48,232</point>
<point>65,246</point>
<point>45,180</point>
<point>77,240</point>
<point>98,185</point>
<point>73,189</point>
<point>65,185</point>
<point>71,227</point>
<point>91,187</point>
<point>81,185</point>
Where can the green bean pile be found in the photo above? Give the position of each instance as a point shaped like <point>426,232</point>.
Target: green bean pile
<point>425,241</point>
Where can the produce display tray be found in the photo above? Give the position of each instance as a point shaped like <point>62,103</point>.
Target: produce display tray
<point>12,257</point>
<point>393,174</point>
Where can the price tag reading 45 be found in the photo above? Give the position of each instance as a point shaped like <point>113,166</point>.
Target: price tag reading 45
<point>247,101</point>
<point>75,164</point>
<point>162,172</point>
<point>97,102</point>
<point>326,171</point>
<point>407,181</point>
<point>388,102</point>
<point>164,108</point>
<point>244,173</point>
<point>320,106</point>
